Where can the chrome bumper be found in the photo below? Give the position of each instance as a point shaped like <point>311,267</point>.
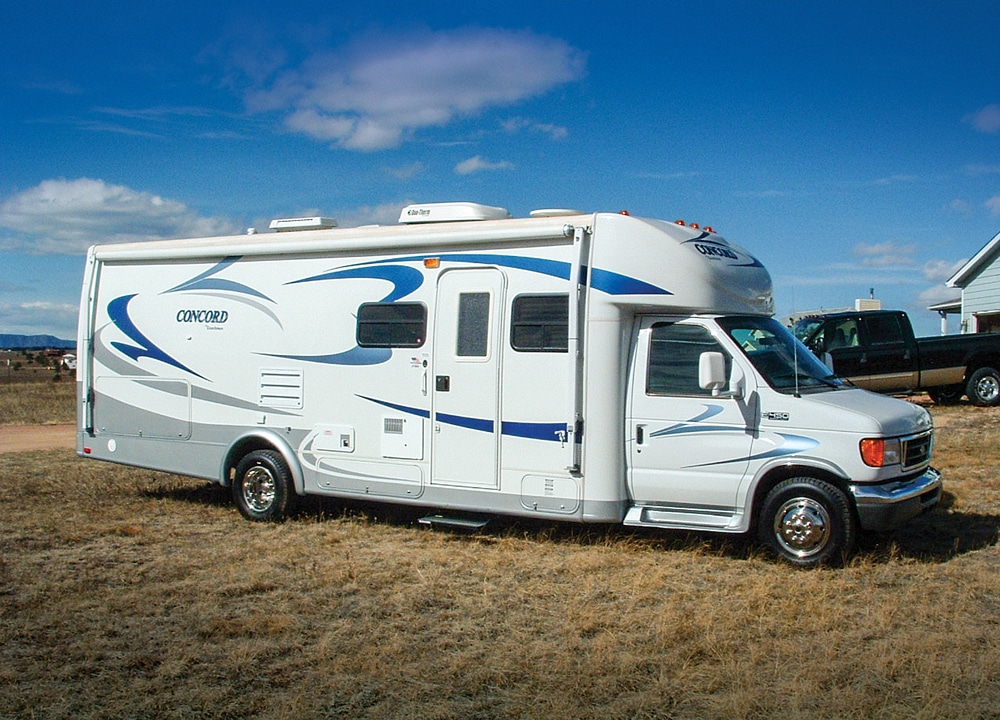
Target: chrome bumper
<point>889,505</point>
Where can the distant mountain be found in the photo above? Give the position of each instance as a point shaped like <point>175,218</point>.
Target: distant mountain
<point>21,342</point>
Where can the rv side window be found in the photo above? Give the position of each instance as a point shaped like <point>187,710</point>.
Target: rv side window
<point>674,353</point>
<point>540,323</point>
<point>392,325</point>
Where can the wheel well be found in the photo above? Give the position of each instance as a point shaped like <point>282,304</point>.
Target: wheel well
<point>241,449</point>
<point>779,474</point>
<point>980,361</point>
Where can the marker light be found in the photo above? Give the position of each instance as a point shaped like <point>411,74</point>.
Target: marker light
<point>431,263</point>
<point>879,452</point>
<point>679,222</point>
<point>624,212</point>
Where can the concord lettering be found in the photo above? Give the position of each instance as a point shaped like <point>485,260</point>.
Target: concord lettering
<point>203,316</point>
<point>716,251</point>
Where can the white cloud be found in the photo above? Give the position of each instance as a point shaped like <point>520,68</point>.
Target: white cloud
<point>517,124</point>
<point>479,164</point>
<point>66,216</point>
<point>941,270</point>
<point>884,255</point>
<point>986,120</point>
<point>371,95</point>
<point>937,294</point>
<point>40,318</point>
<point>994,204</point>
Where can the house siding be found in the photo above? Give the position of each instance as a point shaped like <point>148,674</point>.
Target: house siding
<point>981,295</point>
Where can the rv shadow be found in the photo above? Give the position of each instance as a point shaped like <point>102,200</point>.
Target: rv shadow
<point>935,537</point>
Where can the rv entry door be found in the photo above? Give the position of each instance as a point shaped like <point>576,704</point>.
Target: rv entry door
<point>465,406</point>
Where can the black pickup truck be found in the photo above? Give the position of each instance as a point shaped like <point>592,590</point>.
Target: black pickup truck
<point>878,351</point>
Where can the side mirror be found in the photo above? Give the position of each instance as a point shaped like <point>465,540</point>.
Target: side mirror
<point>712,372</point>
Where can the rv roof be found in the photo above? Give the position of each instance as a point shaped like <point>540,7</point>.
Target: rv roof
<point>450,212</point>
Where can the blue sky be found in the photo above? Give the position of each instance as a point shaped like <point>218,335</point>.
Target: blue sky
<point>850,146</point>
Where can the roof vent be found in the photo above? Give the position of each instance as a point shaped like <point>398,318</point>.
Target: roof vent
<point>554,212</point>
<point>450,212</point>
<point>303,223</point>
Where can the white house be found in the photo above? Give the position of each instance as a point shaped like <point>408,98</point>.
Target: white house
<point>979,281</point>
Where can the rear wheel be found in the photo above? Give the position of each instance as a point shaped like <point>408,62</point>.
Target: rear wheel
<point>807,522</point>
<point>262,489</point>
<point>983,387</point>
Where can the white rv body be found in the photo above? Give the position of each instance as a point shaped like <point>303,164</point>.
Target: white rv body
<point>497,365</point>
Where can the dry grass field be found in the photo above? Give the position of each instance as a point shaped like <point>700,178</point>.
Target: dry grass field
<point>132,594</point>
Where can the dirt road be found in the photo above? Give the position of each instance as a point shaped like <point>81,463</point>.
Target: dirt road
<point>19,438</point>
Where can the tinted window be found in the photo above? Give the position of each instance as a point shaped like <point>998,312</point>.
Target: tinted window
<point>674,356</point>
<point>392,325</point>
<point>540,323</point>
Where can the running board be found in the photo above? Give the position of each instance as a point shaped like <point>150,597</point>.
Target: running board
<point>458,523</point>
<point>689,518</point>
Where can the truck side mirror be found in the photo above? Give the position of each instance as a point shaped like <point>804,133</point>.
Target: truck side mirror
<point>712,372</point>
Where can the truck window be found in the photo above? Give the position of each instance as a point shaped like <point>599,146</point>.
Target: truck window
<point>841,333</point>
<point>540,323</point>
<point>884,330</point>
<point>387,325</point>
<point>674,354</point>
<point>473,339</point>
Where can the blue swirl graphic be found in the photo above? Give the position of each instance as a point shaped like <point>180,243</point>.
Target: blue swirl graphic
<point>144,347</point>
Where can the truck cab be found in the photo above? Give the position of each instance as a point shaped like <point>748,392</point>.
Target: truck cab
<point>876,351</point>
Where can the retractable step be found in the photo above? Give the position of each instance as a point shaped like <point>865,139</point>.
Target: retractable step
<point>455,523</point>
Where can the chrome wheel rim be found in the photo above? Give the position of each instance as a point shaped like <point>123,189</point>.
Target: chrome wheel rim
<point>987,388</point>
<point>802,527</point>
<point>259,488</point>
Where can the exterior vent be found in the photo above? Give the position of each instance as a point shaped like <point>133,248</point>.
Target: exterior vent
<point>554,212</point>
<point>450,212</point>
<point>303,223</point>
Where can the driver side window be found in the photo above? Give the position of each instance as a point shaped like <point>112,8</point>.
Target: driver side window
<point>674,354</point>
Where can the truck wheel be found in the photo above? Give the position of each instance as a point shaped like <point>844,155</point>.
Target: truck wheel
<point>807,522</point>
<point>946,394</point>
<point>983,388</point>
<point>262,489</point>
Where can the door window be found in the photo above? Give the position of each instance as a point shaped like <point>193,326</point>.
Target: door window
<point>674,355</point>
<point>473,340</point>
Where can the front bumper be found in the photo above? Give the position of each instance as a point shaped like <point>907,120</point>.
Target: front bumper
<point>889,505</point>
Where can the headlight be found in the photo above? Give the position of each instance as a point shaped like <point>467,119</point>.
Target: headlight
<point>879,452</point>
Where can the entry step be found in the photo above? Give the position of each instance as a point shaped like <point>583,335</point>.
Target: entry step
<point>461,523</point>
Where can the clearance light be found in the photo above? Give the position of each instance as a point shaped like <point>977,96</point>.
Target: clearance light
<point>624,212</point>
<point>879,452</point>
<point>680,222</point>
<point>432,263</point>
<point>696,226</point>
<point>709,229</point>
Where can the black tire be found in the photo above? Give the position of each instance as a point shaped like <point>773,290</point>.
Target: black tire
<point>946,394</point>
<point>807,522</point>
<point>262,489</point>
<point>983,387</point>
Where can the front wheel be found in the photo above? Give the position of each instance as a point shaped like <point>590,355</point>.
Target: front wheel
<point>807,522</point>
<point>262,489</point>
<point>983,387</point>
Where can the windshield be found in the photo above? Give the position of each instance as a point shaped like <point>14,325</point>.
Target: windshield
<point>783,361</point>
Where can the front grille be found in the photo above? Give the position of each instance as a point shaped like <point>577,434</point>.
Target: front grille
<point>917,449</point>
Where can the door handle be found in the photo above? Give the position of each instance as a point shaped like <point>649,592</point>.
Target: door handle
<point>640,434</point>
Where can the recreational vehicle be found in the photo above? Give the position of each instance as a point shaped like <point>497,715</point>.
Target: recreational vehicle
<point>597,368</point>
